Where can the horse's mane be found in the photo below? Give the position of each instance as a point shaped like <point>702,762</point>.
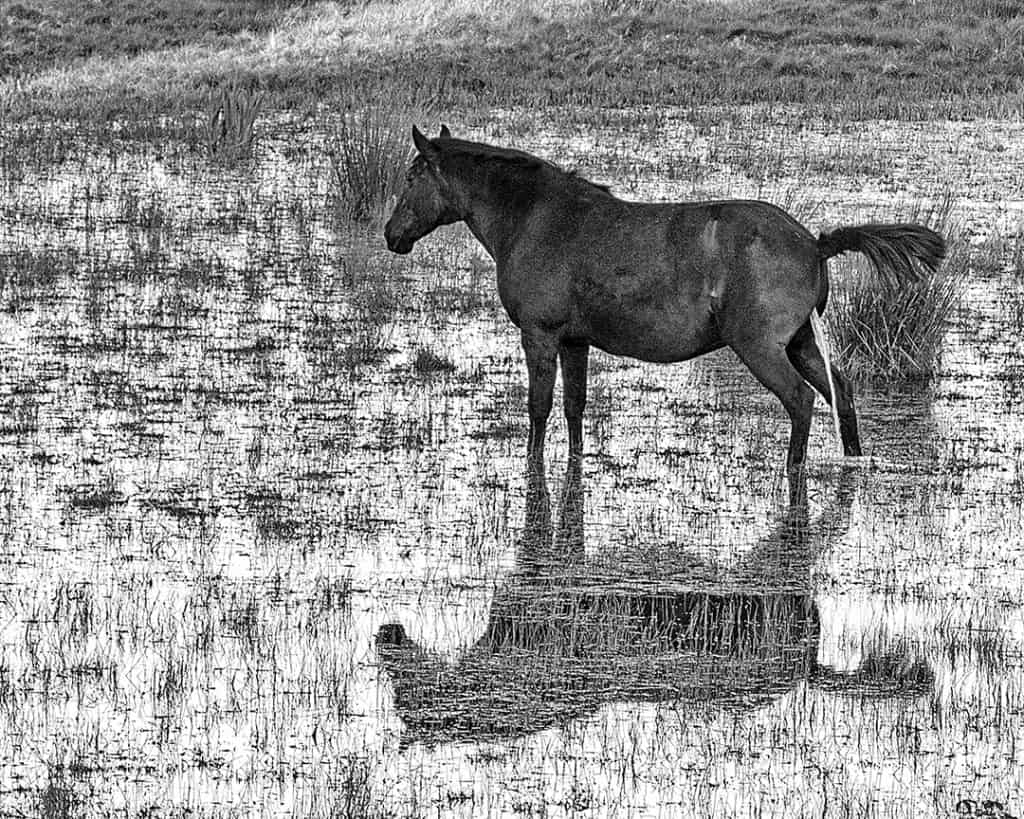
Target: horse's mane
<point>509,157</point>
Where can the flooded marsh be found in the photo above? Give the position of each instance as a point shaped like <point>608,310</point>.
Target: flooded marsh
<point>269,546</point>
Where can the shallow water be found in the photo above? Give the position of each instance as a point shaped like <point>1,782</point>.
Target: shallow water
<point>256,563</point>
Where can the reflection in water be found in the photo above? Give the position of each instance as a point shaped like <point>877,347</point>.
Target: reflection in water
<point>560,642</point>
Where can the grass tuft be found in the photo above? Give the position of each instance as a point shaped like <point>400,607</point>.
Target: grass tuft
<point>371,150</point>
<point>369,155</point>
<point>231,122</point>
<point>348,793</point>
<point>884,330</point>
<point>428,362</point>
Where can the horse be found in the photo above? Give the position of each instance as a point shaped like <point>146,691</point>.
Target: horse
<point>578,268</point>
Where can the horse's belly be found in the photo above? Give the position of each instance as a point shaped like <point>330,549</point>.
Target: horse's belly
<point>654,335</point>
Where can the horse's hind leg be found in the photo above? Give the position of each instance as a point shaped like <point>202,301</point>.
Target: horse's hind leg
<point>806,357</point>
<point>541,350</point>
<point>767,360</point>
<point>574,391</point>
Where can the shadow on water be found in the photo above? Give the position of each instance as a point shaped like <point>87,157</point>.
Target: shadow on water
<point>560,642</point>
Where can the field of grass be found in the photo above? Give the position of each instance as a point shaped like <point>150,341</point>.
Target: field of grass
<point>856,58</point>
<point>43,34</point>
<point>268,541</point>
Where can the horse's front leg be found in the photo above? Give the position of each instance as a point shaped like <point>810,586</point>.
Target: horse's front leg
<point>574,391</point>
<point>541,349</point>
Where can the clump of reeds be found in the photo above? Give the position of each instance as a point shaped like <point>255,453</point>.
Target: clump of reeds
<point>370,153</point>
<point>231,122</point>
<point>368,157</point>
<point>885,330</point>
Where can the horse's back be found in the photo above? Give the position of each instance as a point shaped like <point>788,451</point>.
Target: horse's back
<point>651,279</point>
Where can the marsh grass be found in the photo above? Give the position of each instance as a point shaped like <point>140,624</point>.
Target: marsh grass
<point>206,611</point>
<point>230,125</point>
<point>98,497</point>
<point>456,284</point>
<point>369,154</point>
<point>892,331</point>
<point>1000,254</point>
<point>371,329</point>
<point>27,275</point>
<point>59,799</point>
<point>370,286</point>
<point>346,344</point>
<point>427,362</point>
<point>347,793</point>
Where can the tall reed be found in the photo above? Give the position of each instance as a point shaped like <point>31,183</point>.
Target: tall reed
<point>231,122</point>
<point>370,153</point>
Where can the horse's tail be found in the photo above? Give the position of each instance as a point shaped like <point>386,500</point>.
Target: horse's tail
<point>898,252</point>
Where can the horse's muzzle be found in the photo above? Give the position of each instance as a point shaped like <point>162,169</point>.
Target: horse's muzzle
<point>398,245</point>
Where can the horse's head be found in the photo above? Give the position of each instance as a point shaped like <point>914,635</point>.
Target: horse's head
<point>426,200</point>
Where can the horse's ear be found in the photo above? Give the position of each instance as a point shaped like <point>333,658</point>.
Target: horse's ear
<point>424,145</point>
<point>445,133</point>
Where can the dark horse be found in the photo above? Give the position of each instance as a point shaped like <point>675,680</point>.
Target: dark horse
<point>659,282</point>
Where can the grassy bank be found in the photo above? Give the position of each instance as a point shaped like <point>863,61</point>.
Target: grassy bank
<point>860,57</point>
<point>37,35</point>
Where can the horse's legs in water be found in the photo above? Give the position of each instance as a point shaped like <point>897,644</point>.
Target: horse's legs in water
<point>541,349</point>
<point>766,359</point>
<point>806,357</point>
<point>574,391</point>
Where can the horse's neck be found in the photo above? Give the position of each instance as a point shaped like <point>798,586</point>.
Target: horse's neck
<point>491,217</point>
<point>490,232</point>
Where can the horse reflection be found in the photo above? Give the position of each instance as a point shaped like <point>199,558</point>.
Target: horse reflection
<point>561,642</point>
